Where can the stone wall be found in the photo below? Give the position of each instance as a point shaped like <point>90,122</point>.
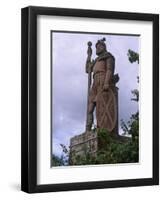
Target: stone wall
<point>82,144</point>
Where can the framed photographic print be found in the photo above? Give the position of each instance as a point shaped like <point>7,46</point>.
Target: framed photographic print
<point>90,99</point>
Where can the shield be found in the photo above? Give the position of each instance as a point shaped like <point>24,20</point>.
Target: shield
<point>106,110</point>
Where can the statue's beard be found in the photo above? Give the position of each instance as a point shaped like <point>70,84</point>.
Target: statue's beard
<point>98,53</point>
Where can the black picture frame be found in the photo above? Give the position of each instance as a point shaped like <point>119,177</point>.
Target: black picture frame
<point>29,99</point>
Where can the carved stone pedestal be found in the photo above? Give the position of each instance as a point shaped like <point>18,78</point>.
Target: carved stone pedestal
<point>83,144</point>
<point>85,147</point>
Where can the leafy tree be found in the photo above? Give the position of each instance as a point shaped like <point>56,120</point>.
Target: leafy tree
<point>133,56</point>
<point>62,160</point>
<point>135,94</point>
<point>57,161</point>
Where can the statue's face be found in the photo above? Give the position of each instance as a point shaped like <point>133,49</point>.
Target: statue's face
<point>100,49</point>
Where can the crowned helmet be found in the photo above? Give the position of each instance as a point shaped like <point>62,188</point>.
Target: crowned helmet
<point>102,42</point>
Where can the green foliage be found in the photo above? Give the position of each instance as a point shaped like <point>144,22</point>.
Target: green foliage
<point>62,160</point>
<point>135,94</point>
<point>119,149</point>
<point>57,161</point>
<point>124,127</point>
<point>112,149</point>
<point>133,56</point>
<point>132,126</point>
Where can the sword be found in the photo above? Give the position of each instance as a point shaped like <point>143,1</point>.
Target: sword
<point>89,71</point>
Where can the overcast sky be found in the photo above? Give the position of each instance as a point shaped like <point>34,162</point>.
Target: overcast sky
<point>69,81</point>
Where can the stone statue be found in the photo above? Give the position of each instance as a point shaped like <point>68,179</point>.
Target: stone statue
<point>102,93</point>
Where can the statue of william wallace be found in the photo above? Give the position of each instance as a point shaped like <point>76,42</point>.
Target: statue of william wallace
<point>102,93</point>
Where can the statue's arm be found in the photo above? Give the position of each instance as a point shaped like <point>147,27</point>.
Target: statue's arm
<point>109,71</point>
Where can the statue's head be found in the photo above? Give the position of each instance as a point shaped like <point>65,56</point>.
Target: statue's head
<point>100,46</point>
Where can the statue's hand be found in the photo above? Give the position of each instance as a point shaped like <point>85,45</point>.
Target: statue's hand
<point>106,87</point>
<point>89,67</point>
